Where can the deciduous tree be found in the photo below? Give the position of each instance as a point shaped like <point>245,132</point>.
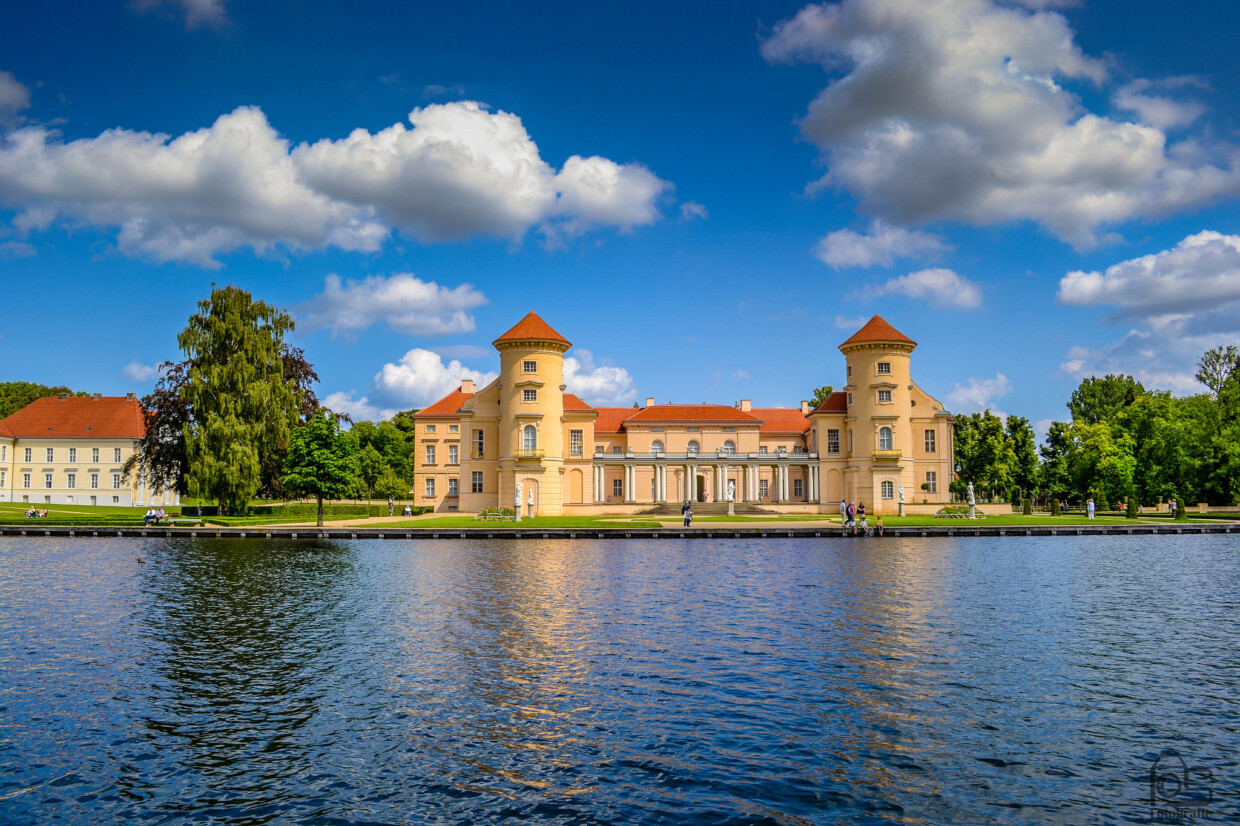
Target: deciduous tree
<point>320,461</point>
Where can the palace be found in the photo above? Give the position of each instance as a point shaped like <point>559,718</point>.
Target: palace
<point>476,448</point>
<point>72,450</point>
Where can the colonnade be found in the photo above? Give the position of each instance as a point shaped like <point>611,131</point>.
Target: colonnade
<point>747,481</point>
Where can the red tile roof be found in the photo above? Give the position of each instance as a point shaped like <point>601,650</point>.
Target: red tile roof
<point>532,328</point>
<point>837,402</point>
<point>781,419</point>
<point>572,402</point>
<point>611,418</point>
<point>77,417</point>
<point>692,413</point>
<point>877,329</point>
<point>447,406</point>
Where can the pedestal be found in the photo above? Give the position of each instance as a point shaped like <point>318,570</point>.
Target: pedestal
<point>901,509</point>
<point>972,512</point>
<point>731,508</point>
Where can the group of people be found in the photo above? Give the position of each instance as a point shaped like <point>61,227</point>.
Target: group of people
<point>154,515</point>
<point>687,513</point>
<point>853,516</point>
<point>36,514</point>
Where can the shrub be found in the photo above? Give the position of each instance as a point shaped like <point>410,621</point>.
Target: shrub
<point>1027,506</point>
<point>1056,509</point>
<point>1181,513</point>
<point>1131,512</point>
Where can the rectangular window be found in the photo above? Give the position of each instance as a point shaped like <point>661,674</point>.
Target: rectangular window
<point>26,454</point>
<point>617,449</point>
<point>4,479</point>
<point>94,481</point>
<point>452,487</point>
<point>454,428</point>
<point>798,489</point>
<point>116,454</point>
<point>529,366</point>
<point>94,455</point>
<point>478,442</point>
<point>884,368</point>
<point>116,481</point>
<point>693,430</point>
<point>70,480</point>
<point>850,441</point>
<point>598,449</point>
<point>850,398</point>
<point>430,488</point>
<point>932,479</point>
<point>576,442</point>
<point>850,371</point>
<point>4,453</point>
<point>115,499</point>
<point>430,428</point>
<point>884,397</point>
<point>656,430</point>
<point>729,430</point>
<point>764,486</point>
<point>833,441</point>
<point>529,395</point>
<point>476,481</point>
<point>617,487</point>
<point>930,446</point>
<point>430,454</point>
<point>761,450</point>
<point>51,454</point>
<point>47,480</point>
<point>453,455</point>
<point>25,480</point>
<point>72,455</point>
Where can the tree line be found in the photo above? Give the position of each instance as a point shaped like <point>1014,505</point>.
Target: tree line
<point>1122,442</point>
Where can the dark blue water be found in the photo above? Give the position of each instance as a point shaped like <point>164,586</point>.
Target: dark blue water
<point>871,681</point>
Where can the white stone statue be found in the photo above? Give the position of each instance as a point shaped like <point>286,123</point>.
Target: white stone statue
<point>531,499</point>
<point>972,501</point>
<point>731,490</point>
<point>901,494</point>
<point>516,499</point>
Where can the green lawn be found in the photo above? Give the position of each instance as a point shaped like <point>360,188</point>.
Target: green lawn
<point>770,517</point>
<point>508,524</point>
<point>18,509</point>
<point>1005,519</point>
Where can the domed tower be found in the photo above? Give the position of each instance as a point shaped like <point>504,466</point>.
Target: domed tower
<point>880,403</point>
<point>531,404</point>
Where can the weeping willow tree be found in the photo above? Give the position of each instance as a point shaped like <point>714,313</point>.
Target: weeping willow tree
<point>242,402</point>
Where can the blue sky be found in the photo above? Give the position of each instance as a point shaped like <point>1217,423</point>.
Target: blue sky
<point>706,198</point>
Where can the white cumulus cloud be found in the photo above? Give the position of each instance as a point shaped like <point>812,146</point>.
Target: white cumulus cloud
<point>603,384</point>
<point>459,171</point>
<point>979,394</point>
<point>14,96</point>
<point>197,12</point>
<point>958,110</point>
<point>1158,110</point>
<point>139,373</point>
<point>357,409</point>
<point>883,244</point>
<point>941,287</point>
<point>421,377</point>
<point>404,302</point>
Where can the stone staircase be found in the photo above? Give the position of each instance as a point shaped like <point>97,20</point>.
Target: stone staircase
<point>672,509</point>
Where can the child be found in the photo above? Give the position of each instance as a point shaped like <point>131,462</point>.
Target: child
<point>865,530</point>
<point>878,523</point>
<point>688,511</point>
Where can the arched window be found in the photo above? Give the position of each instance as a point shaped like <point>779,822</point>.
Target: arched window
<point>889,491</point>
<point>694,446</point>
<point>729,446</point>
<point>884,438</point>
<point>656,446</point>
<point>530,439</point>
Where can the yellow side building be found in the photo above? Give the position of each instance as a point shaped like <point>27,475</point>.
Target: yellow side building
<point>522,438</point>
<point>71,450</point>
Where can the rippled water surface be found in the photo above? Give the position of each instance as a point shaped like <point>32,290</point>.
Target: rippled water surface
<point>775,681</point>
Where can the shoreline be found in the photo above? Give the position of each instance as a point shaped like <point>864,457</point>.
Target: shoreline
<point>707,531</point>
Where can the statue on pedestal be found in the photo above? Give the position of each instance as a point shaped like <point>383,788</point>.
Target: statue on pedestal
<point>901,500</point>
<point>530,514</point>
<point>972,502</point>
<point>731,496</point>
<point>516,503</point>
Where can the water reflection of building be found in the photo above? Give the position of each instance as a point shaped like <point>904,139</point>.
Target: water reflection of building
<point>523,437</point>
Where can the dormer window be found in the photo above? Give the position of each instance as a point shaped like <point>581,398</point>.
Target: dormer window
<point>529,366</point>
<point>884,368</point>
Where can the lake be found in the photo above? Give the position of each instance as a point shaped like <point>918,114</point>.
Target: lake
<point>982,680</point>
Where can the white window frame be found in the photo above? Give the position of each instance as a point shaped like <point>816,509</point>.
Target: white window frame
<point>26,453</point>
<point>833,440</point>
<point>430,454</point>
<point>729,447</point>
<point>884,368</point>
<point>932,479</point>
<point>764,488</point>
<point>72,455</point>
<point>476,481</point>
<point>26,481</point>
<point>798,488</point>
<point>94,455</point>
<point>529,437</point>
<point>885,438</point>
<point>529,366</point>
<point>94,481</point>
<point>430,488</point>
<point>576,442</point>
<point>479,443</point>
<point>884,397</point>
<point>454,487</point>
<point>47,481</point>
<point>116,454</point>
<point>656,446</point>
<point>617,488</point>
<point>888,489</point>
<point>529,394</point>
<point>71,481</point>
<point>454,454</point>
<point>116,481</point>
<point>931,442</point>
<point>693,448</point>
<point>51,455</point>
<point>454,428</point>
<point>430,428</point>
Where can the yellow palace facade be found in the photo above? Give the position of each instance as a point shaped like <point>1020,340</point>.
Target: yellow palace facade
<point>523,438</point>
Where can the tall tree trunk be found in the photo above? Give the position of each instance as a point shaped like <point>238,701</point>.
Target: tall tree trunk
<point>320,510</point>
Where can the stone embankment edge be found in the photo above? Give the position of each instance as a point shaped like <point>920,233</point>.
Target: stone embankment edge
<point>87,532</point>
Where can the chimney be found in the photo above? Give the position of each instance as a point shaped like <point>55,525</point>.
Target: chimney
<point>650,401</point>
<point>97,396</point>
<point>744,405</point>
<point>64,396</point>
<point>804,406</point>
<point>130,397</point>
<point>467,385</point>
